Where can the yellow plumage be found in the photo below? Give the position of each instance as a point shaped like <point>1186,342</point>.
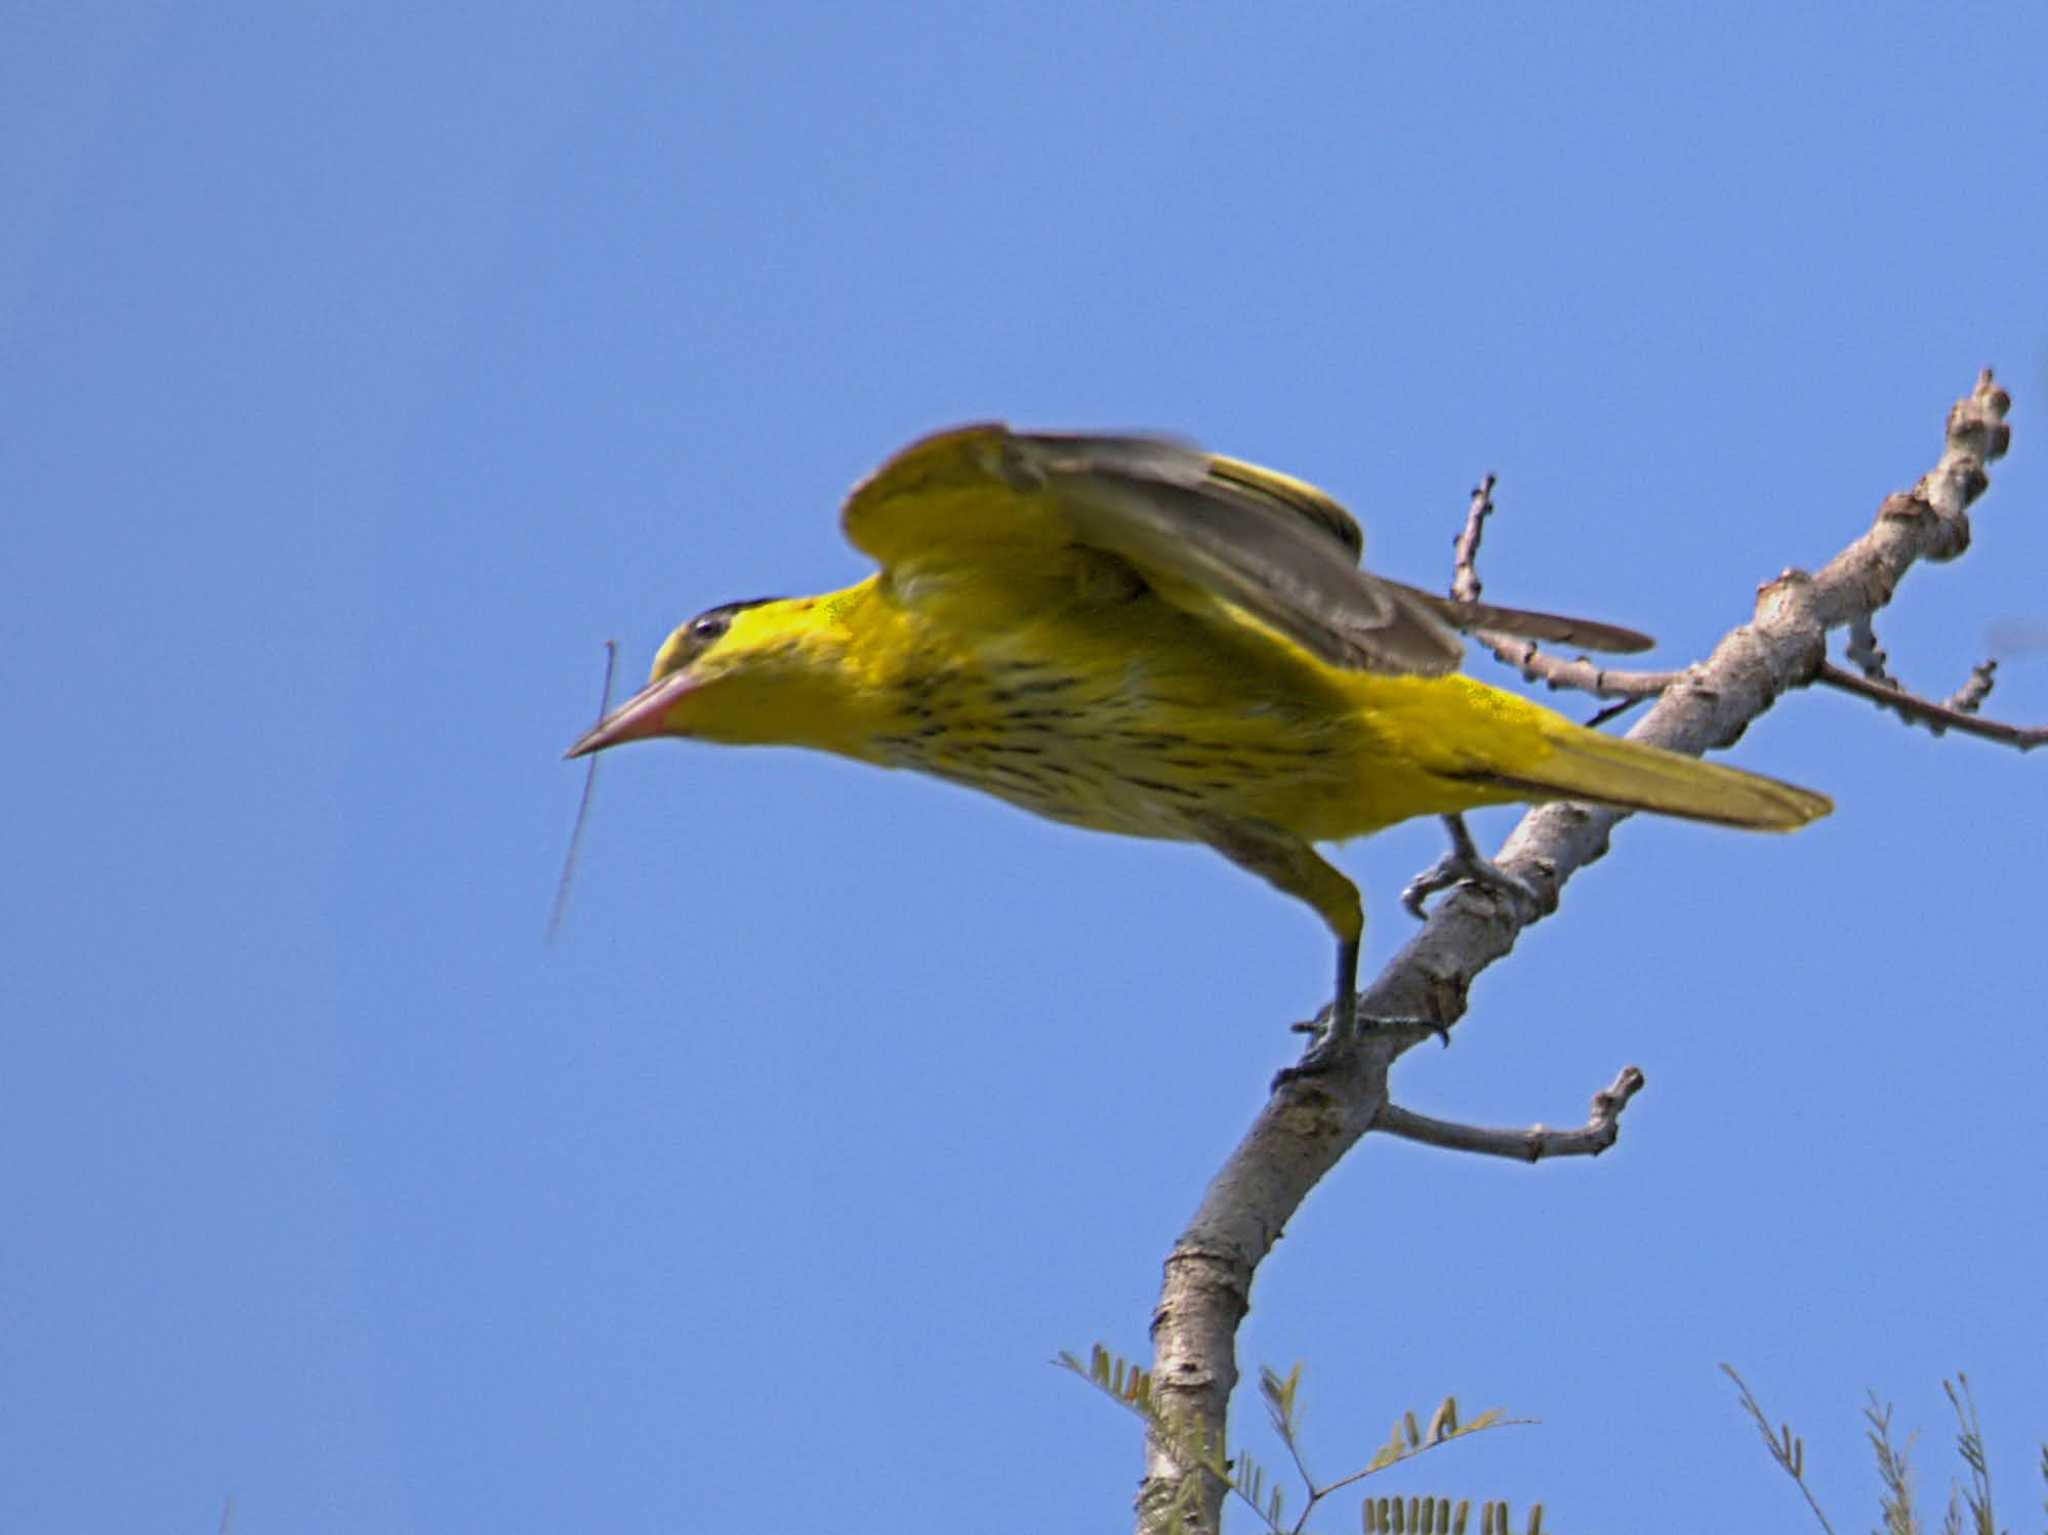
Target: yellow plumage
<point>1129,635</point>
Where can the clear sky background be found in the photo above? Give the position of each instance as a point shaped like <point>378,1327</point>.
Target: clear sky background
<point>362,371</point>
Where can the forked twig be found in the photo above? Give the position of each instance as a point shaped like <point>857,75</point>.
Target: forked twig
<point>1309,1124</point>
<point>1534,663</point>
<point>1601,1129</point>
<point>1957,714</point>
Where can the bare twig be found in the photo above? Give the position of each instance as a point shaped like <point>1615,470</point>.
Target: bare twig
<point>1601,1129</point>
<point>561,906</point>
<point>1580,675</point>
<point>1614,710</point>
<point>1939,717</point>
<point>1465,548</point>
<point>1312,1121</point>
<point>1969,698</point>
<point>1534,664</point>
<point>1868,655</point>
<point>1887,691</point>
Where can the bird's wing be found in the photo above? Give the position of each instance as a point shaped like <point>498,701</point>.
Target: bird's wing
<point>1199,528</point>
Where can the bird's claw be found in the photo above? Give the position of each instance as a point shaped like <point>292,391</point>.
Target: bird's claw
<point>1325,1055</point>
<point>1332,1045</point>
<point>1451,870</point>
<point>1440,875</point>
<point>1464,862</point>
<point>1332,1050</point>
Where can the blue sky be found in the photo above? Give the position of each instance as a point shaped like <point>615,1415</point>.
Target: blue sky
<point>364,372</point>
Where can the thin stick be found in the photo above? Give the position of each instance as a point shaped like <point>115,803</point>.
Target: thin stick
<point>1522,654</point>
<point>1602,1128</point>
<point>1936,717</point>
<point>1465,547</point>
<point>604,707</point>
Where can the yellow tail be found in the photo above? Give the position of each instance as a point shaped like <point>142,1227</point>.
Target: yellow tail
<point>1605,770</point>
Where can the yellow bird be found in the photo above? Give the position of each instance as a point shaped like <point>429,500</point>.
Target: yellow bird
<point>1131,635</point>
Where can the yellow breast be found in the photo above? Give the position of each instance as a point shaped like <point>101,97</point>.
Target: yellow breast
<point>1139,718</point>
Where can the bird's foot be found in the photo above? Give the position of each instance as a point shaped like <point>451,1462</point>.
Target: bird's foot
<point>1327,1053</point>
<point>1336,1038</point>
<point>1465,862</point>
<point>1334,1048</point>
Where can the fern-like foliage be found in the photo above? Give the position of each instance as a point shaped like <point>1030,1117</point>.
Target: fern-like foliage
<point>1789,1451</point>
<point>1970,1445</point>
<point>1241,1476</point>
<point>1969,1507</point>
<point>1894,1470</point>
<point>1439,1516</point>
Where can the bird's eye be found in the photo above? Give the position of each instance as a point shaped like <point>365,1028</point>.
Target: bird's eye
<point>710,626</point>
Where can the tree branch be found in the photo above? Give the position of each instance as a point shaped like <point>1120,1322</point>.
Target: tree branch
<point>1868,655</point>
<point>1958,713</point>
<point>1465,548</point>
<point>1601,1129</point>
<point>1311,1122</point>
<point>1524,655</point>
<point>1887,692</point>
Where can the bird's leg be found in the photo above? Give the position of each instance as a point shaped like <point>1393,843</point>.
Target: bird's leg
<point>1290,864</point>
<point>1287,863</point>
<point>1344,1007</point>
<point>1465,862</point>
<point>1341,1025</point>
<point>1336,1027</point>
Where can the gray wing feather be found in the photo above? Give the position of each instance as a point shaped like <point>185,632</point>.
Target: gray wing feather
<point>1155,503</point>
<point>1554,627</point>
<point>1158,503</point>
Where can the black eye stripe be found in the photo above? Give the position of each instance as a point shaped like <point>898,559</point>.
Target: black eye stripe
<point>713,622</point>
<point>704,631</point>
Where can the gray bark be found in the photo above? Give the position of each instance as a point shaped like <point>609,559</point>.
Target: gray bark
<point>1310,1122</point>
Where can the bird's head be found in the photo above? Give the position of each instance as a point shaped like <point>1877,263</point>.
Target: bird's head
<point>740,672</point>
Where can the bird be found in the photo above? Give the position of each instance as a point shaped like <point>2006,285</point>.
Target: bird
<point>1128,634</point>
